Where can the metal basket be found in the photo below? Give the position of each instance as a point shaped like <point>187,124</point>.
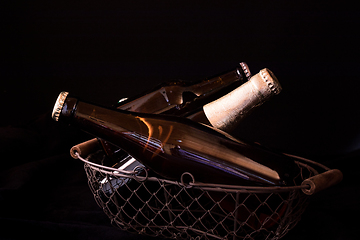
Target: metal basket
<point>138,202</point>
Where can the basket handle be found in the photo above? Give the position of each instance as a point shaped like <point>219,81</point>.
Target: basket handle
<point>322,181</point>
<point>85,148</point>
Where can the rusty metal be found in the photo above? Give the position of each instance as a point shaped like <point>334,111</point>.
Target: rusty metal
<point>149,205</point>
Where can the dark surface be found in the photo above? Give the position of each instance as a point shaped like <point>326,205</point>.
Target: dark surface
<point>103,51</point>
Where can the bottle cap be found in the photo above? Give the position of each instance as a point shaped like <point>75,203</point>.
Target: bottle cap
<point>266,83</point>
<point>245,69</point>
<point>59,105</point>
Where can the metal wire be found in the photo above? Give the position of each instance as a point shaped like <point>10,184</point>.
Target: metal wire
<point>205,186</point>
<point>148,205</point>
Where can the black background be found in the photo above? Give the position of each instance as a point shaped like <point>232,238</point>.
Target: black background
<point>105,50</point>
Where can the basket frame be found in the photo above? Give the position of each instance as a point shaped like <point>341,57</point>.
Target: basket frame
<point>296,199</point>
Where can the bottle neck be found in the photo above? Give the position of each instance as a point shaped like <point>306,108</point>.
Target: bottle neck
<point>87,115</point>
<point>217,82</point>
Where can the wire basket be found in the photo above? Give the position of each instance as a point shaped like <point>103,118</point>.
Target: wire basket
<point>138,202</point>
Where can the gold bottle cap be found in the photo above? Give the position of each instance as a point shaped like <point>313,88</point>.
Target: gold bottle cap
<point>266,83</point>
<point>59,105</point>
<point>271,81</point>
<point>245,69</point>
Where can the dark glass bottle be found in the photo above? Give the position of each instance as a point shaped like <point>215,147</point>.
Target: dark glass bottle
<point>174,97</point>
<point>180,98</point>
<point>170,145</point>
<point>227,111</point>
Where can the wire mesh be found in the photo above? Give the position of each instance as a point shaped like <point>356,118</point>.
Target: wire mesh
<point>139,203</point>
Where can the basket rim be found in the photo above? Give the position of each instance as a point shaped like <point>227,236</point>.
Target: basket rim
<point>205,186</point>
